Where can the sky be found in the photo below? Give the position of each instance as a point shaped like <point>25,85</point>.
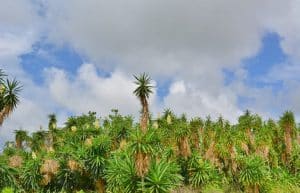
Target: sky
<point>206,57</point>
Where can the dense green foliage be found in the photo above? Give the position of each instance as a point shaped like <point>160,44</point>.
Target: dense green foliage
<point>189,156</point>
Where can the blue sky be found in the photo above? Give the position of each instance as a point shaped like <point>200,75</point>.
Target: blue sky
<point>205,58</point>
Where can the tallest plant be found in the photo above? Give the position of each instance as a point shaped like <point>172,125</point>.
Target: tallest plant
<point>9,96</point>
<point>287,123</point>
<point>143,91</point>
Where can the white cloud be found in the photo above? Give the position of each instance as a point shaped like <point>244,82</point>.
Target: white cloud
<point>19,29</point>
<point>12,45</point>
<point>285,72</point>
<point>17,15</point>
<point>163,37</point>
<point>191,41</point>
<point>177,88</point>
<point>188,42</point>
<point>88,91</point>
<point>194,102</point>
<point>288,26</point>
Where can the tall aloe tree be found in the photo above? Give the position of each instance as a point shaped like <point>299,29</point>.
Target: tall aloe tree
<point>95,160</point>
<point>143,91</point>
<point>52,122</point>
<point>37,141</point>
<point>287,122</point>
<point>248,123</point>
<point>20,137</point>
<point>196,126</point>
<point>182,132</point>
<point>141,147</point>
<point>253,174</point>
<point>9,96</point>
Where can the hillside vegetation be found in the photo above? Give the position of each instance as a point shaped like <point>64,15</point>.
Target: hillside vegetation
<point>170,153</point>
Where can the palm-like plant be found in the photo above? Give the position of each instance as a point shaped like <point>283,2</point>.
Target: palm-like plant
<point>2,75</point>
<point>30,176</point>
<point>7,176</point>
<point>70,180</point>
<point>253,174</point>
<point>142,147</point>
<point>37,141</point>
<point>121,175</point>
<point>282,181</point>
<point>52,122</point>
<point>143,91</point>
<point>182,132</point>
<point>20,137</point>
<point>95,160</point>
<point>287,122</point>
<point>263,142</point>
<point>226,150</point>
<point>9,97</point>
<point>249,123</point>
<point>196,126</point>
<point>201,172</point>
<point>162,177</point>
<point>118,128</point>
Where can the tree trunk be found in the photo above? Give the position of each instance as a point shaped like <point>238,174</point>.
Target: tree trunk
<point>196,141</point>
<point>210,153</point>
<point>201,138</point>
<point>19,144</point>
<point>233,164</point>
<point>3,115</point>
<point>184,148</point>
<point>145,115</point>
<point>250,137</point>
<point>100,186</point>
<point>288,143</point>
<point>252,189</point>
<point>255,189</point>
<point>142,162</point>
<point>263,151</point>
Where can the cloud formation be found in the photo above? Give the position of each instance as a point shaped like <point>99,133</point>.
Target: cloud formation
<point>163,37</point>
<point>188,43</point>
<point>88,91</point>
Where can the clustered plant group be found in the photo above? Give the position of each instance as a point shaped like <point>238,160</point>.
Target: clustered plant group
<point>168,153</point>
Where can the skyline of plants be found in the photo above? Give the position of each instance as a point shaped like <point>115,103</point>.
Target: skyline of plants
<point>170,153</point>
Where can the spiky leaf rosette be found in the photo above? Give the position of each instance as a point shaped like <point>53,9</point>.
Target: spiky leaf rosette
<point>253,172</point>
<point>120,174</point>
<point>202,172</point>
<point>30,176</point>
<point>142,146</point>
<point>144,88</point>
<point>9,98</point>
<point>2,76</point>
<point>7,178</point>
<point>95,159</point>
<point>162,177</point>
